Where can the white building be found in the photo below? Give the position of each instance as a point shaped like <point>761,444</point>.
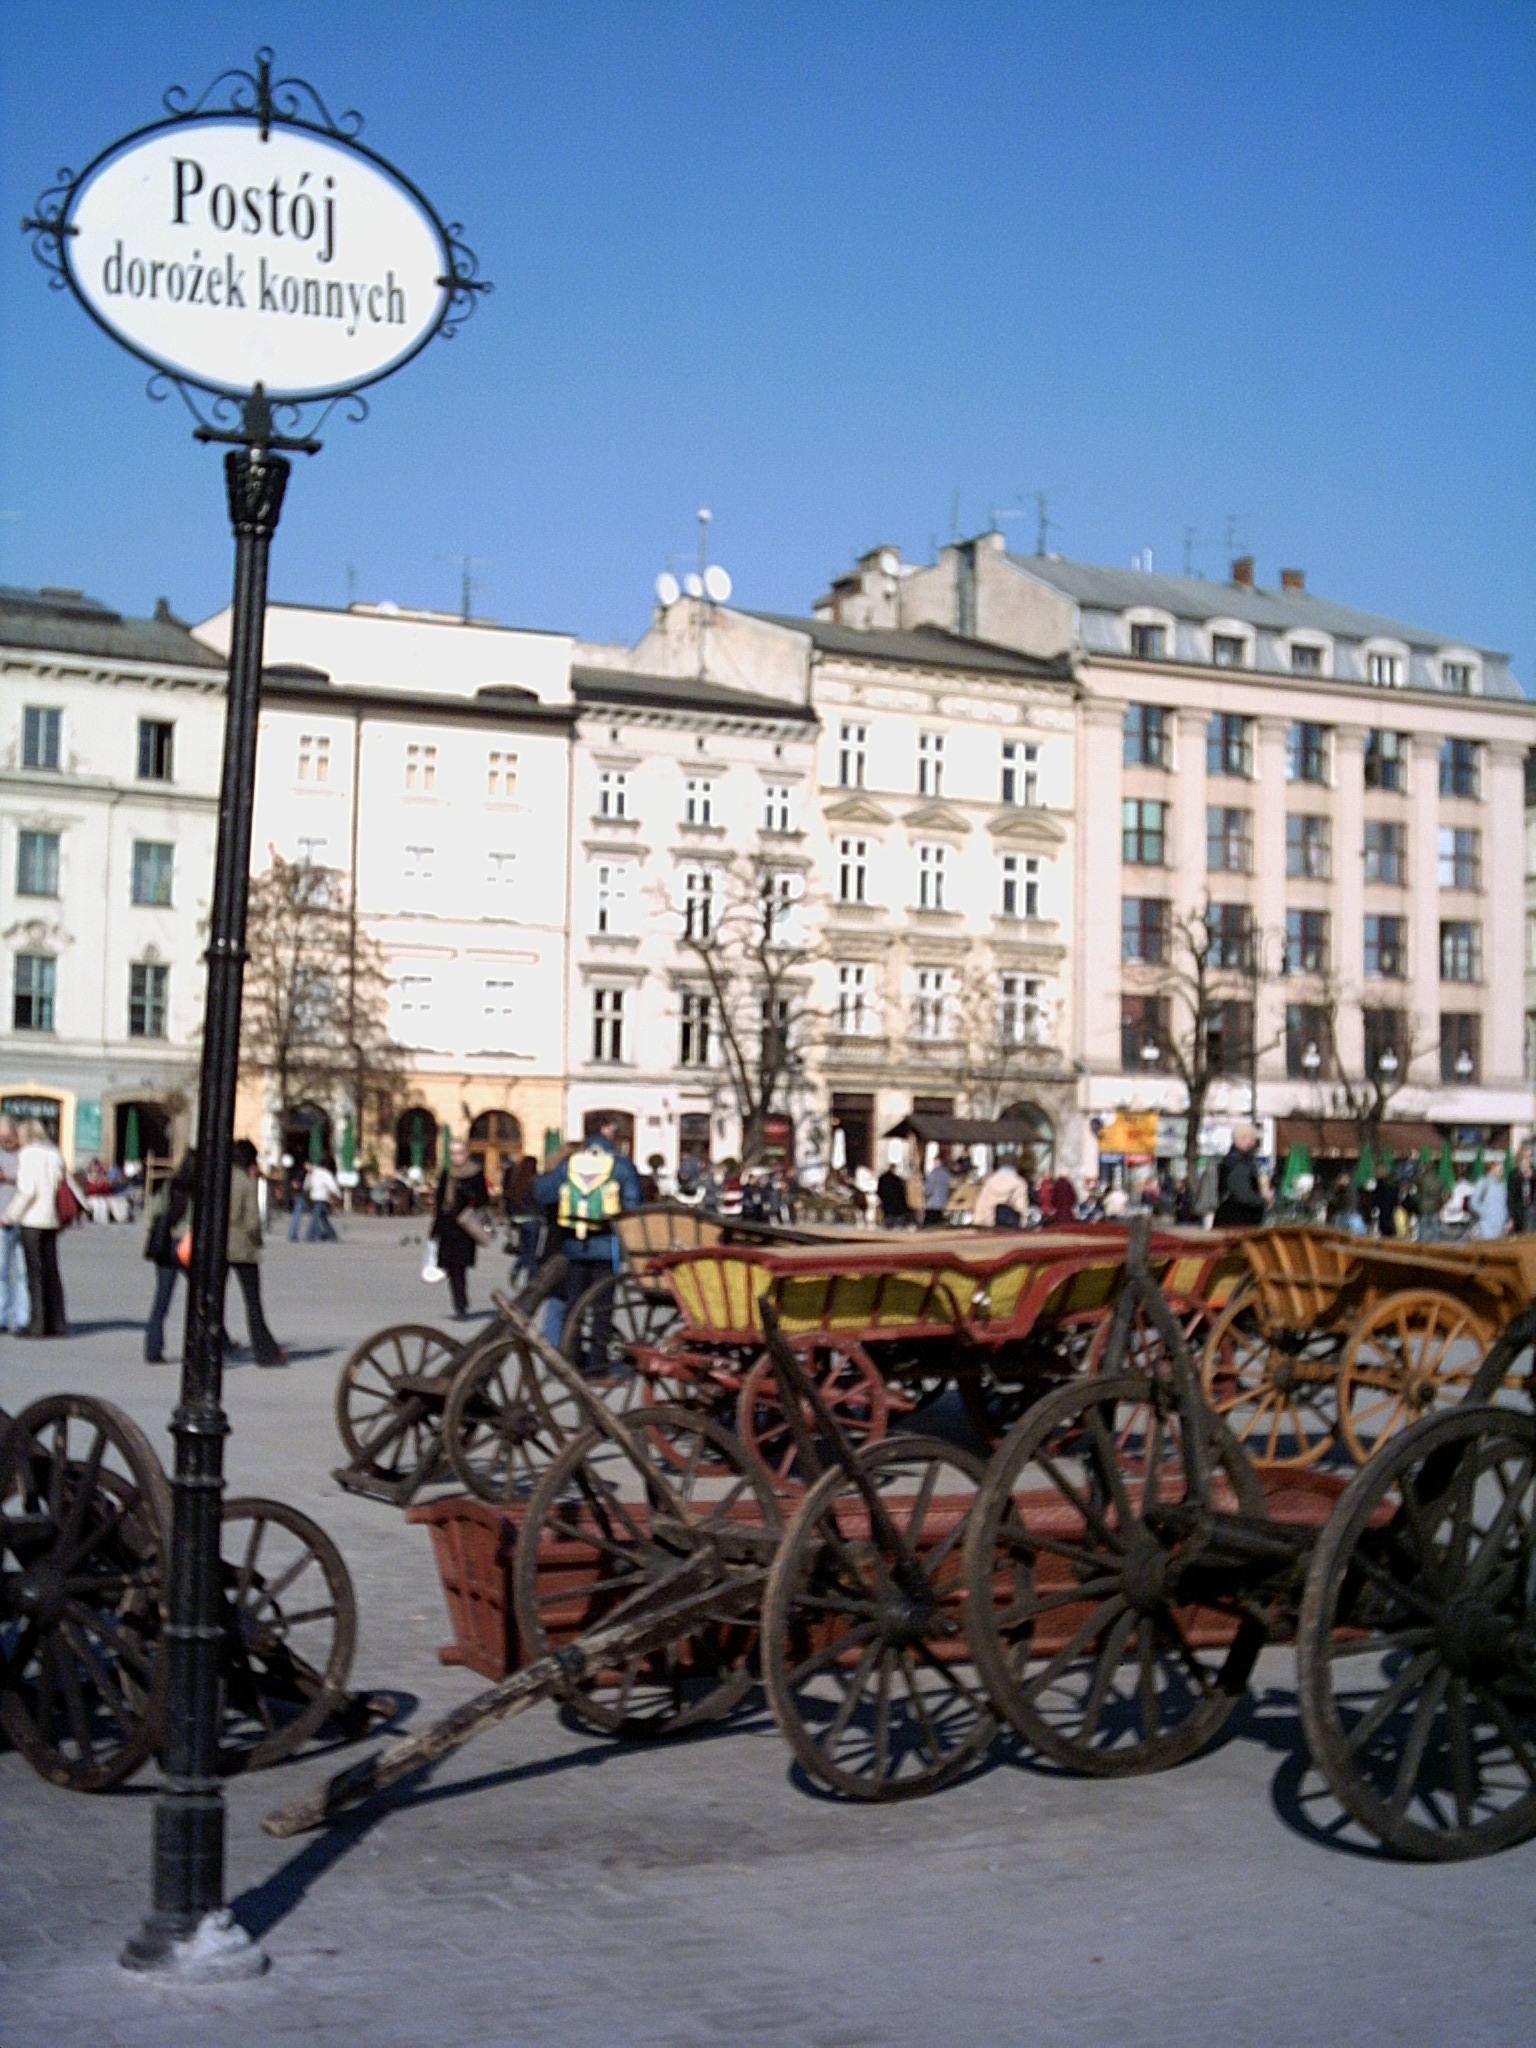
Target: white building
<point>111,735</point>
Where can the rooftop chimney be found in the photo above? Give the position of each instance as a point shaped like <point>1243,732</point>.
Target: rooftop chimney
<point>1293,579</point>
<point>1242,571</point>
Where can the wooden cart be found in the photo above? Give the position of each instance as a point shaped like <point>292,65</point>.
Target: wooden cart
<point>1338,1341</point>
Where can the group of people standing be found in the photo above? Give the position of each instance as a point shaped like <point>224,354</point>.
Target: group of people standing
<point>32,1180</point>
<point>168,1248</point>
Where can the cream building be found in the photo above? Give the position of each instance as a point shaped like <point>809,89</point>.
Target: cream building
<point>111,734</point>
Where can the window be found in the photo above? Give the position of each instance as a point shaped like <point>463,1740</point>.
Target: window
<point>612,896</point>
<point>1385,670</point>
<point>152,868</point>
<point>612,793</point>
<point>1386,1041</point>
<point>1019,1010</point>
<point>1229,745</point>
<point>415,995</point>
<point>1386,852</point>
<point>1460,858</point>
<point>1461,1048</point>
<point>1148,641</point>
<point>155,749</point>
<point>698,904</point>
<point>314,757</point>
<point>1144,1034</point>
<point>1456,676</point>
<point>1144,925</point>
<point>1143,823</point>
<point>1386,760</point>
<point>1229,650</point>
<point>778,904</point>
<point>1229,933</point>
<point>421,768</point>
<point>852,1016</point>
<point>1228,1037</point>
<point>40,737</point>
<point>608,1024</point>
<point>500,868</point>
<point>1308,846</point>
<point>1147,737</point>
<point>1306,752</point>
<point>147,990</point>
<point>1308,1041</point>
<point>1305,660</point>
<point>930,1017</point>
<point>1459,768</point>
<point>693,1031</point>
<point>32,1003</point>
<point>1021,773</point>
<point>852,870</point>
<point>501,775</point>
<point>774,1026</point>
<point>1386,947</point>
<point>37,863</point>
<point>1021,885</point>
<point>776,811</point>
<point>1229,841</point>
<point>312,855</point>
<point>930,764</point>
<point>853,742</point>
<point>698,801</point>
<point>497,997</point>
<point>1461,950</point>
<point>420,863</point>
<point>930,877</point>
<point>1306,942</point>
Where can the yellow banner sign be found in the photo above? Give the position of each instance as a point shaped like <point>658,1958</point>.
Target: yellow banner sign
<point>1130,1132</point>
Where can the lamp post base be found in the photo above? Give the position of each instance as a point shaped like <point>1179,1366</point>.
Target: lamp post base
<point>217,1951</point>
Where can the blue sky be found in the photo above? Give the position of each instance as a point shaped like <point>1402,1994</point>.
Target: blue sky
<point>848,274</point>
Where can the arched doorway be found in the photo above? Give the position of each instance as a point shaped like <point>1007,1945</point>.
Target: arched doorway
<point>300,1120</point>
<point>416,1141</point>
<point>495,1143</point>
<point>1037,1133</point>
<point>148,1124</point>
<point>624,1127</point>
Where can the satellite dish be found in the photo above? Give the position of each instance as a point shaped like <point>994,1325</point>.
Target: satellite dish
<point>890,562</point>
<point>717,584</point>
<point>667,591</point>
<point>692,584</point>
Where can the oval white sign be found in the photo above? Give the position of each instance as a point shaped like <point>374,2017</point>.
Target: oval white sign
<point>297,263</point>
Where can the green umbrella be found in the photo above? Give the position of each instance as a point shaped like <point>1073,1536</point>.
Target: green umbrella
<point>132,1153</point>
<point>551,1143</point>
<point>1365,1170</point>
<point>418,1147</point>
<point>1386,1163</point>
<point>316,1145</point>
<point>1292,1172</point>
<point>1447,1166</point>
<point>1479,1165</point>
<point>348,1146</point>
<point>444,1160</point>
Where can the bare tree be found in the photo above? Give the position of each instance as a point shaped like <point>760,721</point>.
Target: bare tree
<point>1005,1035</point>
<point>314,1017</point>
<point>1363,1096</point>
<point>741,929</point>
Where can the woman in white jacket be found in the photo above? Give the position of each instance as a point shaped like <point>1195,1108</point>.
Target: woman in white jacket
<point>34,1208</point>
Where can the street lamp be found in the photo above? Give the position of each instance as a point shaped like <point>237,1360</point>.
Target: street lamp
<point>1463,1065</point>
<point>1311,1060</point>
<point>1387,1064</point>
<point>1151,1053</point>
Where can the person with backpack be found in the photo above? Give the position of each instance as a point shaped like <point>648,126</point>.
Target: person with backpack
<point>167,1217</point>
<point>586,1188</point>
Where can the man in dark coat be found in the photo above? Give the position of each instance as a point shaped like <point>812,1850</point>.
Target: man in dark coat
<point>460,1188</point>
<point>1241,1196</point>
<point>1522,1191</point>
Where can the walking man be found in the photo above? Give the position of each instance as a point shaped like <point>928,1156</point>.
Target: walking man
<point>15,1302</point>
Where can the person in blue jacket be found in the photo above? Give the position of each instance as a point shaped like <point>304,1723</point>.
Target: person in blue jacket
<point>586,1188</point>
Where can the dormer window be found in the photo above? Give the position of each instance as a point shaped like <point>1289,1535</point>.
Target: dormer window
<point>1385,671</point>
<point>1306,660</point>
<point>1148,640</point>
<point>1457,677</point>
<point>1229,650</point>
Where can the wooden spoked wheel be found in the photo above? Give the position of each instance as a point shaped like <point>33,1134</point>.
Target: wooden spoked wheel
<point>84,1521</point>
<point>864,1650</point>
<point>505,1423</point>
<point>612,1521</point>
<point>1088,1624</point>
<point>1146,1346</point>
<point>616,1317</point>
<point>1275,1391</point>
<point>848,1381</point>
<point>290,1628</point>
<point>389,1401</point>
<point>1413,1352</point>
<point>1416,1657</point>
<point>997,1389</point>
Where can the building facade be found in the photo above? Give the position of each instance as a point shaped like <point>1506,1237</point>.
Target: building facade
<point>111,735</point>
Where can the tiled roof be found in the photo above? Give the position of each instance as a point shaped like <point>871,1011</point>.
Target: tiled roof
<point>67,622</point>
<point>924,646</point>
<point>681,693</point>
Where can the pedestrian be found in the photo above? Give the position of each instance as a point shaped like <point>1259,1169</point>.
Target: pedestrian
<point>15,1301</point>
<point>35,1208</point>
<point>586,1188</point>
<point>1002,1200</point>
<point>1428,1197</point>
<point>1240,1185</point>
<point>936,1187</point>
<point>321,1189</point>
<point>518,1206</point>
<point>298,1207</point>
<point>167,1222</point>
<point>1490,1203</point>
<point>1522,1191</point>
<point>461,1191</point>
<point>1063,1201</point>
<point>243,1250</point>
<point>891,1191</point>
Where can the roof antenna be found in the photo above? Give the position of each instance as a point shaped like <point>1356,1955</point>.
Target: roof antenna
<point>1043,522</point>
<point>351,586</point>
<point>954,517</point>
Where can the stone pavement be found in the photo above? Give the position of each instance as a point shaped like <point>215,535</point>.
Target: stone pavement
<point>548,1887</point>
